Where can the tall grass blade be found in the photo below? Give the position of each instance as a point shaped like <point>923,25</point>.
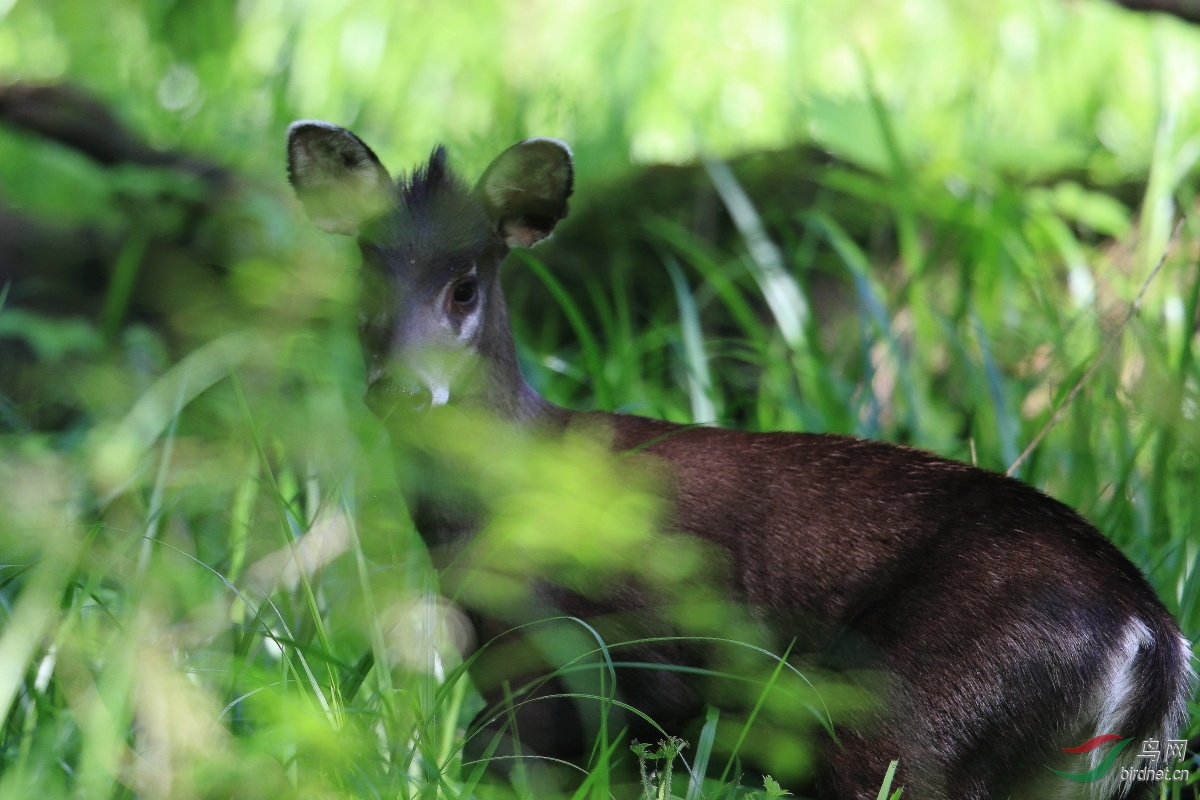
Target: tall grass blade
<point>715,276</point>
<point>886,787</point>
<point>704,746</point>
<point>779,288</point>
<point>700,388</point>
<point>1008,428</point>
<point>591,350</point>
<point>1098,360</point>
<point>755,711</point>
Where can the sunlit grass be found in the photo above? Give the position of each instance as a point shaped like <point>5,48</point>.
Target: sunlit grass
<point>210,582</point>
<point>221,586</point>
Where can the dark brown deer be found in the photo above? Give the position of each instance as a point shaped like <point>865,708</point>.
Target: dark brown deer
<point>1009,626</point>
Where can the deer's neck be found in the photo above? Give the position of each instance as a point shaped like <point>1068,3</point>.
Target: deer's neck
<point>508,394</point>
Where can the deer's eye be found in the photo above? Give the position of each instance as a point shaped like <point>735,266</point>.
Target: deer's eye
<point>465,292</point>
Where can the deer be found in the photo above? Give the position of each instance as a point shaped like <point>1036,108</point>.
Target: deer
<point>1010,627</point>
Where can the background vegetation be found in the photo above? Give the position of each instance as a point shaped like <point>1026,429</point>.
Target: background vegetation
<point>920,221</point>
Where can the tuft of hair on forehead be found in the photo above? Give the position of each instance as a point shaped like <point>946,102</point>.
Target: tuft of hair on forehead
<point>437,212</point>
<point>417,190</point>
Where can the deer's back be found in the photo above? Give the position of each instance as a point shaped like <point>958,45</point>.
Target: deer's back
<point>833,526</point>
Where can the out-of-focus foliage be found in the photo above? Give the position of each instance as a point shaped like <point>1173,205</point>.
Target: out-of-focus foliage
<point>1021,84</point>
<point>210,584</point>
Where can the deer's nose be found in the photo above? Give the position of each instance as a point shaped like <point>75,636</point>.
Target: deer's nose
<point>390,392</point>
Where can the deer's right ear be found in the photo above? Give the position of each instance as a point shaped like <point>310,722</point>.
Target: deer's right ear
<point>525,190</point>
<point>336,176</point>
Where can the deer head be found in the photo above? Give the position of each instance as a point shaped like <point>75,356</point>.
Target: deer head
<point>432,318</point>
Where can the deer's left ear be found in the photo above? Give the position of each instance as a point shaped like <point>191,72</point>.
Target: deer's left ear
<point>525,190</point>
<point>336,176</point>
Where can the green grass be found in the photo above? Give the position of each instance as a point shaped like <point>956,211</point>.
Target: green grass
<point>159,636</point>
<point>151,647</point>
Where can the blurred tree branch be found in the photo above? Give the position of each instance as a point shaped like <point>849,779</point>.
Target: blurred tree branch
<point>1188,10</point>
<point>158,258</point>
<point>74,118</point>
<point>62,258</point>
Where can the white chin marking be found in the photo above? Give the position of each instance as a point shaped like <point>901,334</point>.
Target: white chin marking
<point>439,396</point>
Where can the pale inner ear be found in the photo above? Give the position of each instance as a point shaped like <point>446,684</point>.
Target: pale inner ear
<point>525,230</point>
<point>336,176</point>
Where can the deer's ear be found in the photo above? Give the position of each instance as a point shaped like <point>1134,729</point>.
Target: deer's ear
<point>525,190</point>
<point>336,176</point>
